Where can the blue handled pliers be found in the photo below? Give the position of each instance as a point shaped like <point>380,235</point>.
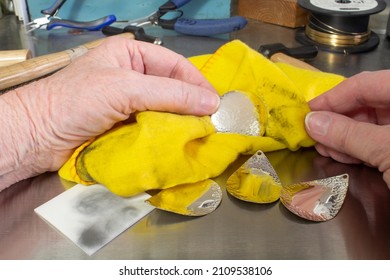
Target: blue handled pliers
<point>197,27</point>
<point>51,21</point>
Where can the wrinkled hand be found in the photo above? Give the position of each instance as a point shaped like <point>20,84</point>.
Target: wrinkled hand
<point>351,122</point>
<point>98,90</point>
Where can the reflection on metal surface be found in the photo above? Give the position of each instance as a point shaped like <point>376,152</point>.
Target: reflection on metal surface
<point>318,200</point>
<point>255,181</point>
<point>237,114</point>
<point>197,199</point>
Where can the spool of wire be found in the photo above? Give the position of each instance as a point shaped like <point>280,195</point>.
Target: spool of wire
<point>340,25</point>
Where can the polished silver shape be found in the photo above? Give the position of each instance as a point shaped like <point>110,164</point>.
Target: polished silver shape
<point>318,200</point>
<point>260,161</point>
<point>196,199</point>
<point>207,203</point>
<point>255,181</point>
<point>236,114</point>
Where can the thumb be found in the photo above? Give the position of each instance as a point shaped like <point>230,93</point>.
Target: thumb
<point>360,140</point>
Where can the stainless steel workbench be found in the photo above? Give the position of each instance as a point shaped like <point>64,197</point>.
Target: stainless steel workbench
<point>236,230</point>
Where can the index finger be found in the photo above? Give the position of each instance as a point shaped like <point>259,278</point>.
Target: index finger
<point>155,60</point>
<point>366,89</point>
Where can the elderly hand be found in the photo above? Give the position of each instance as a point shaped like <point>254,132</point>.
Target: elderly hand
<point>351,122</point>
<point>43,122</point>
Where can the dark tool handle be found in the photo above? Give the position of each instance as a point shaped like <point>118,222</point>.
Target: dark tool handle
<point>52,10</point>
<point>303,52</point>
<point>204,27</point>
<point>139,33</point>
<point>86,25</point>
<point>173,5</point>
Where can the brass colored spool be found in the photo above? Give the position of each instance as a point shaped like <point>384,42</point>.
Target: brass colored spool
<point>340,26</point>
<point>337,40</point>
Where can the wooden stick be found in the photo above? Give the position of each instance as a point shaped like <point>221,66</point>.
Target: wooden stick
<point>40,66</point>
<point>9,57</point>
<point>281,57</point>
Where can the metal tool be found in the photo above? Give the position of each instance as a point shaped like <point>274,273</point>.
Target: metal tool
<point>139,33</point>
<point>301,52</point>
<point>51,21</point>
<point>280,53</point>
<point>169,17</point>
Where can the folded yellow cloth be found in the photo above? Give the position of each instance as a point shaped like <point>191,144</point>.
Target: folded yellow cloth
<point>162,150</point>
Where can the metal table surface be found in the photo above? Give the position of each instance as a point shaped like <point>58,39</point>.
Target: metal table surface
<point>236,230</point>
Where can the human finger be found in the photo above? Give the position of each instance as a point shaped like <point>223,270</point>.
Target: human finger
<point>366,142</point>
<point>154,60</point>
<point>364,89</point>
<point>336,155</point>
<point>386,177</point>
<point>141,92</point>
<point>343,158</point>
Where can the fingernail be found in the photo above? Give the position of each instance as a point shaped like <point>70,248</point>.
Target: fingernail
<point>210,103</point>
<point>318,123</point>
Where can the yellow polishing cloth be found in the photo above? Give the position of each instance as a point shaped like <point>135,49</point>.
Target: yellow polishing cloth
<point>163,150</point>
